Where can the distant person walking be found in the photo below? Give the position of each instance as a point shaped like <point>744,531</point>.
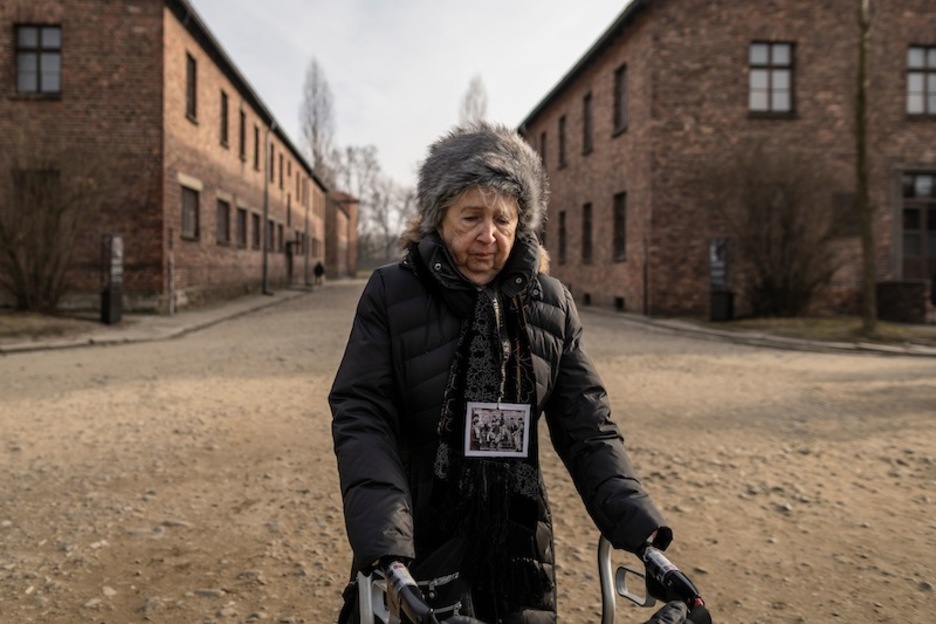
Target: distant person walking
<point>319,271</point>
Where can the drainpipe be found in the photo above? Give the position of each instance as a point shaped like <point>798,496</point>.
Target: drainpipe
<point>266,214</point>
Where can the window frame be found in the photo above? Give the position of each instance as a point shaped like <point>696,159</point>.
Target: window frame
<point>588,133</point>
<point>223,221</point>
<point>39,51</point>
<point>925,208</point>
<point>619,111</point>
<point>242,135</point>
<point>619,226</point>
<point>771,68</point>
<point>225,121</point>
<point>240,228</point>
<point>563,146</point>
<point>191,87</point>
<point>256,235</point>
<point>191,215</point>
<point>256,147</point>
<point>543,147</point>
<point>927,75</point>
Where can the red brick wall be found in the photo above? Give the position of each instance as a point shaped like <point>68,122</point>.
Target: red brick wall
<point>688,109</point>
<point>109,110</point>
<point>123,99</point>
<point>194,150</point>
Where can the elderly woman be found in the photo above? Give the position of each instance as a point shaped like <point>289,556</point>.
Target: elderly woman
<point>455,353</point>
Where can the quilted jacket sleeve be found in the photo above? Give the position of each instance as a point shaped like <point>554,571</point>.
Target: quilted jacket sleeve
<point>592,448</point>
<point>377,501</point>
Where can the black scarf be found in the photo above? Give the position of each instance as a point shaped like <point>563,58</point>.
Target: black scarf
<point>493,503</point>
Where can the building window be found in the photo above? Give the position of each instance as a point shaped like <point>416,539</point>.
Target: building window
<point>919,226</point>
<point>771,78</point>
<point>191,87</point>
<point>620,99</point>
<point>562,141</point>
<point>587,124</point>
<point>224,222</point>
<point>39,59</point>
<point>189,213</point>
<point>620,226</point>
<point>921,80</point>
<point>562,237</point>
<point>257,148</point>
<point>279,237</point>
<point>542,149</point>
<point>272,161</point>
<point>270,235</point>
<point>255,230</point>
<point>587,233</point>
<point>224,119</point>
<point>241,227</point>
<point>281,171</point>
<point>242,136</point>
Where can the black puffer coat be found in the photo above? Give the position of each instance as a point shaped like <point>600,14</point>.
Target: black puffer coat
<point>387,397</point>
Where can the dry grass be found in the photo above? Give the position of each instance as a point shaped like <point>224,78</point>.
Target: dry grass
<point>32,326</point>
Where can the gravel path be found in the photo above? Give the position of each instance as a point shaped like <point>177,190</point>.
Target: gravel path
<point>193,480</point>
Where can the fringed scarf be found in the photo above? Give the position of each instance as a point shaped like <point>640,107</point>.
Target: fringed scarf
<point>492,502</point>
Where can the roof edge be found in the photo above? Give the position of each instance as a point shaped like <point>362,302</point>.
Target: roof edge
<point>610,34</point>
<point>195,25</point>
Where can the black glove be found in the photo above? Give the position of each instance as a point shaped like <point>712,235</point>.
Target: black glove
<point>672,613</point>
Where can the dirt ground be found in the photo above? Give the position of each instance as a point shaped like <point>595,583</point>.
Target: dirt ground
<point>193,480</point>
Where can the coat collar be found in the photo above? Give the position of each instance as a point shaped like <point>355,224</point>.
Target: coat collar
<point>430,259</point>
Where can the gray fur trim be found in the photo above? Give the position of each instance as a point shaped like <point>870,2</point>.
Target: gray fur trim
<point>486,155</point>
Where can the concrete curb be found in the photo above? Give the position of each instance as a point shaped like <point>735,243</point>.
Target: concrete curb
<point>153,328</point>
<point>762,339</point>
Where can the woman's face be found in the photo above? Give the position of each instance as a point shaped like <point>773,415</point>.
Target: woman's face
<point>479,231</point>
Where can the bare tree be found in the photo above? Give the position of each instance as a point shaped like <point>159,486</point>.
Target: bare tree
<point>48,193</point>
<point>317,122</point>
<point>474,102</point>
<point>784,225</point>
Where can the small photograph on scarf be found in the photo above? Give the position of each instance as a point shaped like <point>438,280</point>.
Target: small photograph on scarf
<point>497,430</point>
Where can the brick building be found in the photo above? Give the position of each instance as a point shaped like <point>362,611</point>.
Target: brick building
<point>209,195</point>
<point>341,215</point>
<point>673,88</point>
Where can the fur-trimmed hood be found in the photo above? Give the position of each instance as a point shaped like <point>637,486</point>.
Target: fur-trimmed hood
<point>480,154</point>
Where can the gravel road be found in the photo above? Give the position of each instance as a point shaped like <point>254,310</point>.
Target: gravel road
<point>193,480</point>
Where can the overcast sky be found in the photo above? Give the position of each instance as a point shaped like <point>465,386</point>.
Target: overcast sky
<point>398,70</point>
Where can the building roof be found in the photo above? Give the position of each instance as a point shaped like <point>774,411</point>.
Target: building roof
<point>615,30</point>
<point>194,24</point>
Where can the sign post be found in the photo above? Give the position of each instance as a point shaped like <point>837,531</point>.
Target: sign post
<point>112,295</point>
